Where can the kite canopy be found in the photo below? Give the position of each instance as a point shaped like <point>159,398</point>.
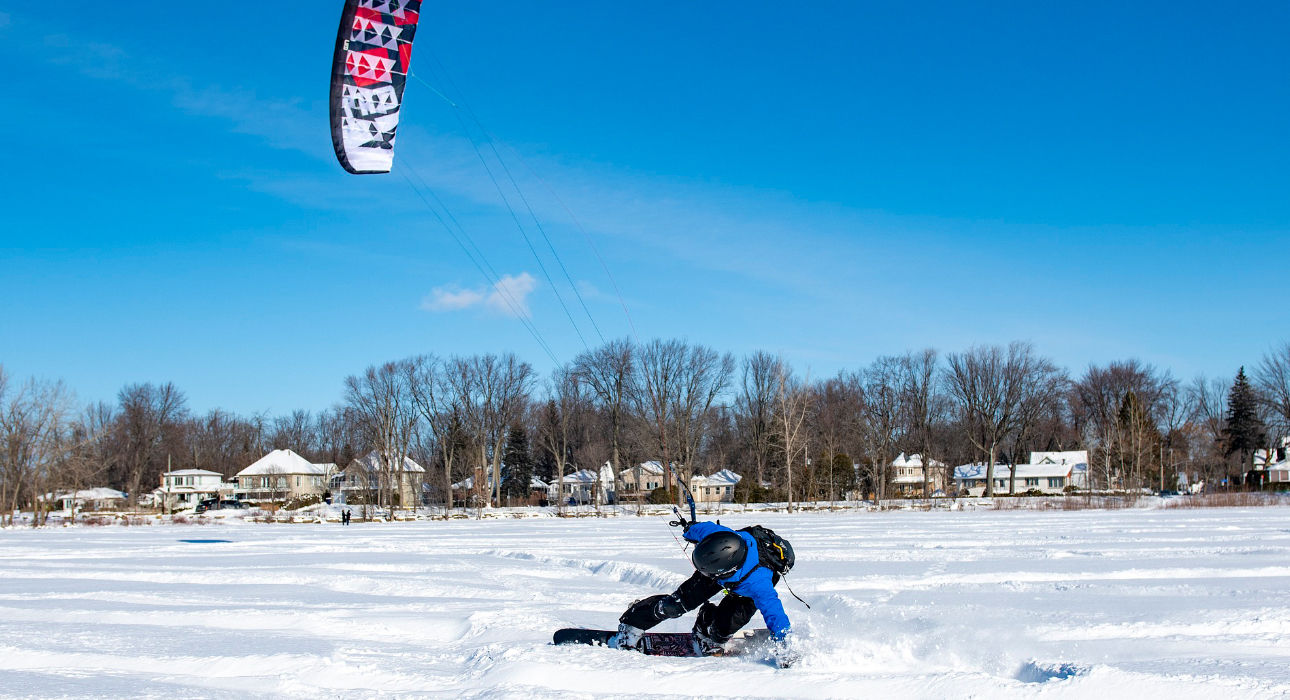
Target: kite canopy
<point>368,73</point>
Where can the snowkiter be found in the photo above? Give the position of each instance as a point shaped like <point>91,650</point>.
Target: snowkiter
<point>724,559</point>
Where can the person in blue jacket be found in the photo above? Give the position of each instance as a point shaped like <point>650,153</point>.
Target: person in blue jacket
<point>724,559</point>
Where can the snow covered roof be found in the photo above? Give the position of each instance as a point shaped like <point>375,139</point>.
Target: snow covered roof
<point>915,460</point>
<point>651,467</point>
<point>725,477</point>
<point>1002,471</point>
<point>95,494</point>
<point>371,462</point>
<point>582,476</point>
<point>193,472</point>
<point>536,483</point>
<point>1075,458</point>
<point>283,462</point>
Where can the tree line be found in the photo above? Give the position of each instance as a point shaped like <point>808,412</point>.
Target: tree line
<point>491,420</point>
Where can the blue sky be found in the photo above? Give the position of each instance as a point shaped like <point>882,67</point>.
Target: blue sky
<point>829,181</point>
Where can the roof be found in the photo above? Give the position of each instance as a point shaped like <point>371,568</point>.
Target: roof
<point>651,467</point>
<point>1002,471</point>
<point>1074,458</point>
<point>371,462</point>
<point>95,494</point>
<point>283,462</point>
<point>193,472</point>
<point>914,460</point>
<point>725,477</point>
<point>582,476</point>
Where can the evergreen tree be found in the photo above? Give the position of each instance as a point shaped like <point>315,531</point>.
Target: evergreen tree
<point>517,463</point>
<point>1244,432</point>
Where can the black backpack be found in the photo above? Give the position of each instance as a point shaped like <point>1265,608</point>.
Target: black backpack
<point>773,551</point>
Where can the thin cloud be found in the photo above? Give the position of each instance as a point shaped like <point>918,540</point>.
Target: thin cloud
<point>508,296</point>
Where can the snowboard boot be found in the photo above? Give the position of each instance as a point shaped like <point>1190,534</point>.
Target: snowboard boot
<point>706,646</point>
<point>706,640</point>
<point>627,637</point>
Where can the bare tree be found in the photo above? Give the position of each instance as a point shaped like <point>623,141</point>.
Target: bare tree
<point>1043,388</point>
<point>792,404</point>
<point>33,439</point>
<point>147,412</point>
<point>657,387</point>
<point>1272,377</point>
<point>988,383</point>
<point>566,400</point>
<point>704,376</point>
<point>922,404</point>
<point>755,408</point>
<point>880,425</point>
<point>432,397</point>
<point>381,402</point>
<point>608,372</point>
<point>1115,406</point>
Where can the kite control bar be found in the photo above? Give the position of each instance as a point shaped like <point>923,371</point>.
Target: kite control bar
<point>689,498</point>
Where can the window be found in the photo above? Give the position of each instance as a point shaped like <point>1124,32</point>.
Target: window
<point>297,481</point>
<point>1056,482</point>
<point>1032,481</point>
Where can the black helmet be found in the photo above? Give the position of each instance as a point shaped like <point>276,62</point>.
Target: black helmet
<point>720,554</point>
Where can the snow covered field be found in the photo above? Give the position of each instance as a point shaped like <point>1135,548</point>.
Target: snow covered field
<point>1134,604</point>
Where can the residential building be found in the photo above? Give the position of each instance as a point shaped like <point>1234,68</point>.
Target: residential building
<point>280,476</point>
<point>1048,477</point>
<point>907,475</point>
<point>366,476</point>
<point>715,488</point>
<point>584,487</point>
<point>186,487</point>
<point>637,482</point>
<point>88,499</point>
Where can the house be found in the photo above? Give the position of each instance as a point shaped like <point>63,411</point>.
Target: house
<point>1045,478</point>
<point>186,487</point>
<point>1077,459</point>
<point>715,488</point>
<point>907,475</point>
<point>280,476</point>
<point>88,499</point>
<point>366,476</point>
<point>584,487</point>
<point>640,480</point>
<point>1274,464</point>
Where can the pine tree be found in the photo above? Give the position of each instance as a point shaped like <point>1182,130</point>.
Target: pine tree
<point>1244,432</point>
<point>517,463</point>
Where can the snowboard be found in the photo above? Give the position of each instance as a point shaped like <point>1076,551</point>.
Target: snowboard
<point>664,643</point>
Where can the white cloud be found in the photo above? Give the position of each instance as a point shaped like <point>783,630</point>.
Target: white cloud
<point>508,296</point>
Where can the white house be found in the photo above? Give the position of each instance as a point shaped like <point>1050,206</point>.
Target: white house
<point>88,499</point>
<point>1077,459</point>
<point>280,476</point>
<point>907,474</point>
<point>584,487</point>
<point>186,487</point>
<point>365,474</point>
<point>715,488</point>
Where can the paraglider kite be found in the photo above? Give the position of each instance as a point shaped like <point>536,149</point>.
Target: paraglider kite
<point>368,73</point>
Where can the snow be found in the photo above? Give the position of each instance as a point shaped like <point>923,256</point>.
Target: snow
<point>1113,605</point>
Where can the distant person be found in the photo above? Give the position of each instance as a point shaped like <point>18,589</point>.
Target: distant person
<point>344,517</point>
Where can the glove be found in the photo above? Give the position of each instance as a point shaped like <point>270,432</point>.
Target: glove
<point>784,655</point>
<point>669,607</point>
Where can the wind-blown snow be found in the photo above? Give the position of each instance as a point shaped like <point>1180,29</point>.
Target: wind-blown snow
<point>1113,605</point>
